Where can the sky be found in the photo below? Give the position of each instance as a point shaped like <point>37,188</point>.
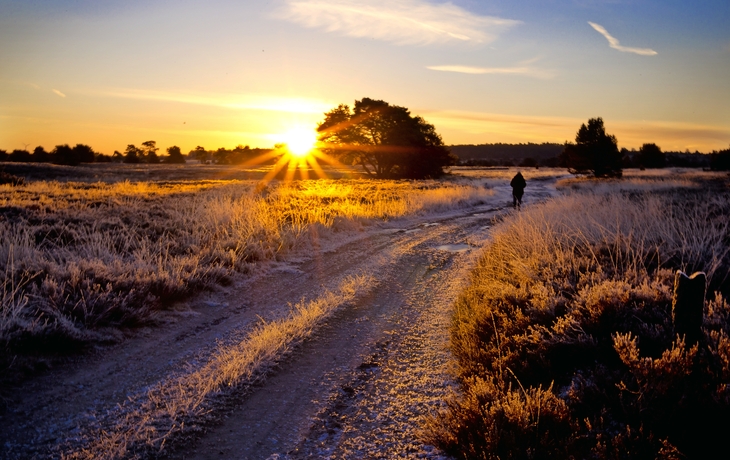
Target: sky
<point>222,73</point>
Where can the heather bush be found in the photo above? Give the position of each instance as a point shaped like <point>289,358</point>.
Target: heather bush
<point>565,342</point>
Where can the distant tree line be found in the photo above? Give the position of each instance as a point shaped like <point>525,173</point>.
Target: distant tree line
<point>239,155</point>
<point>528,155</point>
<point>500,154</point>
<point>648,156</point>
<point>596,152</point>
<point>146,153</point>
<point>61,154</point>
<point>81,153</point>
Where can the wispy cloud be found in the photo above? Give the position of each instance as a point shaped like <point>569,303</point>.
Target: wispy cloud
<point>230,101</point>
<point>522,70</point>
<point>58,92</point>
<point>404,22</point>
<point>614,43</point>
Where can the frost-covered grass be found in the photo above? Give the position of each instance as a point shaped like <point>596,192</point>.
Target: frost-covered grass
<point>79,261</point>
<point>564,339</point>
<point>146,422</point>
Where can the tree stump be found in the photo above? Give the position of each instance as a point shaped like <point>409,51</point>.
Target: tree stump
<point>688,305</point>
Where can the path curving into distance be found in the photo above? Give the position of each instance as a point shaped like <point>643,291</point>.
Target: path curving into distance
<point>359,386</point>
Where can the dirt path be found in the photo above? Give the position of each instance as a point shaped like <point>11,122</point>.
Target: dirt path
<point>359,388</point>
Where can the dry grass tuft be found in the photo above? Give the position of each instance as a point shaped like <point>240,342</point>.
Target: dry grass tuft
<point>565,341</point>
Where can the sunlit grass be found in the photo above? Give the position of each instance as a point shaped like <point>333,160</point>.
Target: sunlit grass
<point>76,259</point>
<point>149,420</point>
<point>637,180</point>
<point>565,341</point>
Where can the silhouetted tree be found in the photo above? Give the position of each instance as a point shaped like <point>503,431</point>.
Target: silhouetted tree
<point>133,154</point>
<point>222,156</point>
<point>720,161</point>
<point>20,156</point>
<point>84,153</point>
<point>40,155</point>
<point>199,153</point>
<point>650,156</point>
<point>65,155</point>
<point>149,152</point>
<point>174,155</point>
<point>627,158</point>
<point>117,157</point>
<point>594,151</point>
<point>3,155</point>
<point>385,140</point>
<point>102,158</point>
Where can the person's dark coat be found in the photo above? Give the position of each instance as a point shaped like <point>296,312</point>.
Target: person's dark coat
<point>518,189</point>
<point>518,185</point>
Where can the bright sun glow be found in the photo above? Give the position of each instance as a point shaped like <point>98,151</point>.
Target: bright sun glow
<point>300,141</point>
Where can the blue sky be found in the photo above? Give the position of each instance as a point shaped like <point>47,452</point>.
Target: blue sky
<point>221,73</point>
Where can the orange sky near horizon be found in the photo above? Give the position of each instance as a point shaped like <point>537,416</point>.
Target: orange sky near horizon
<point>222,73</point>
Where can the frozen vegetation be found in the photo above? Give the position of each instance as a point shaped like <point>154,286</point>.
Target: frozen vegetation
<point>565,342</point>
<point>81,262</point>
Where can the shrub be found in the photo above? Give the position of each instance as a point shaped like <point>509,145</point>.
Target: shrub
<point>720,161</point>
<point>651,156</point>
<point>573,298</point>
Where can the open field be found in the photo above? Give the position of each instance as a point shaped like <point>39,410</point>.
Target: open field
<point>564,338</point>
<point>115,172</point>
<point>161,386</point>
<point>321,331</point>
<point>81,260</point>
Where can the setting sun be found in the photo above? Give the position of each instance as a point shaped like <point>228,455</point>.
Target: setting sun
<point>300,141</point>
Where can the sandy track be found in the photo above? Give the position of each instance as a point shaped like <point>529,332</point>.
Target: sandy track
<point>358,389</point>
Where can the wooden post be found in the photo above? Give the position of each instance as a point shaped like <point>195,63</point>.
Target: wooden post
<point>688,304</point>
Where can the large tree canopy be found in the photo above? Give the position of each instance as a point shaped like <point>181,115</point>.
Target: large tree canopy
<point>385,140</point>
<point>594,151</point>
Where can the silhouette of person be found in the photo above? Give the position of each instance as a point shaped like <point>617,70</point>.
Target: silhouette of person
<point>518,189</point>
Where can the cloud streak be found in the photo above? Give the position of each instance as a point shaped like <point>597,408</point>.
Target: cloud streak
<point>523,70</point>
<point>614,43</point>
<point>228,101</point>
<point>404,22</point>
<point>58,93</point>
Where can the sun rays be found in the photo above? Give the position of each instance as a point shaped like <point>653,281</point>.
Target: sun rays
<point>296,157</point>
<point>300,141</point>
<point>291,166</point>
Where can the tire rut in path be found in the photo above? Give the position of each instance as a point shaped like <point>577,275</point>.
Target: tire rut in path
<point>363,385</point>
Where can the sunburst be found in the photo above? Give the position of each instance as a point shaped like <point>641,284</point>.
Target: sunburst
<point>296,157</point>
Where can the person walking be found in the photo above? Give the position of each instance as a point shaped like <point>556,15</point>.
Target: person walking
<point>518,189</point>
